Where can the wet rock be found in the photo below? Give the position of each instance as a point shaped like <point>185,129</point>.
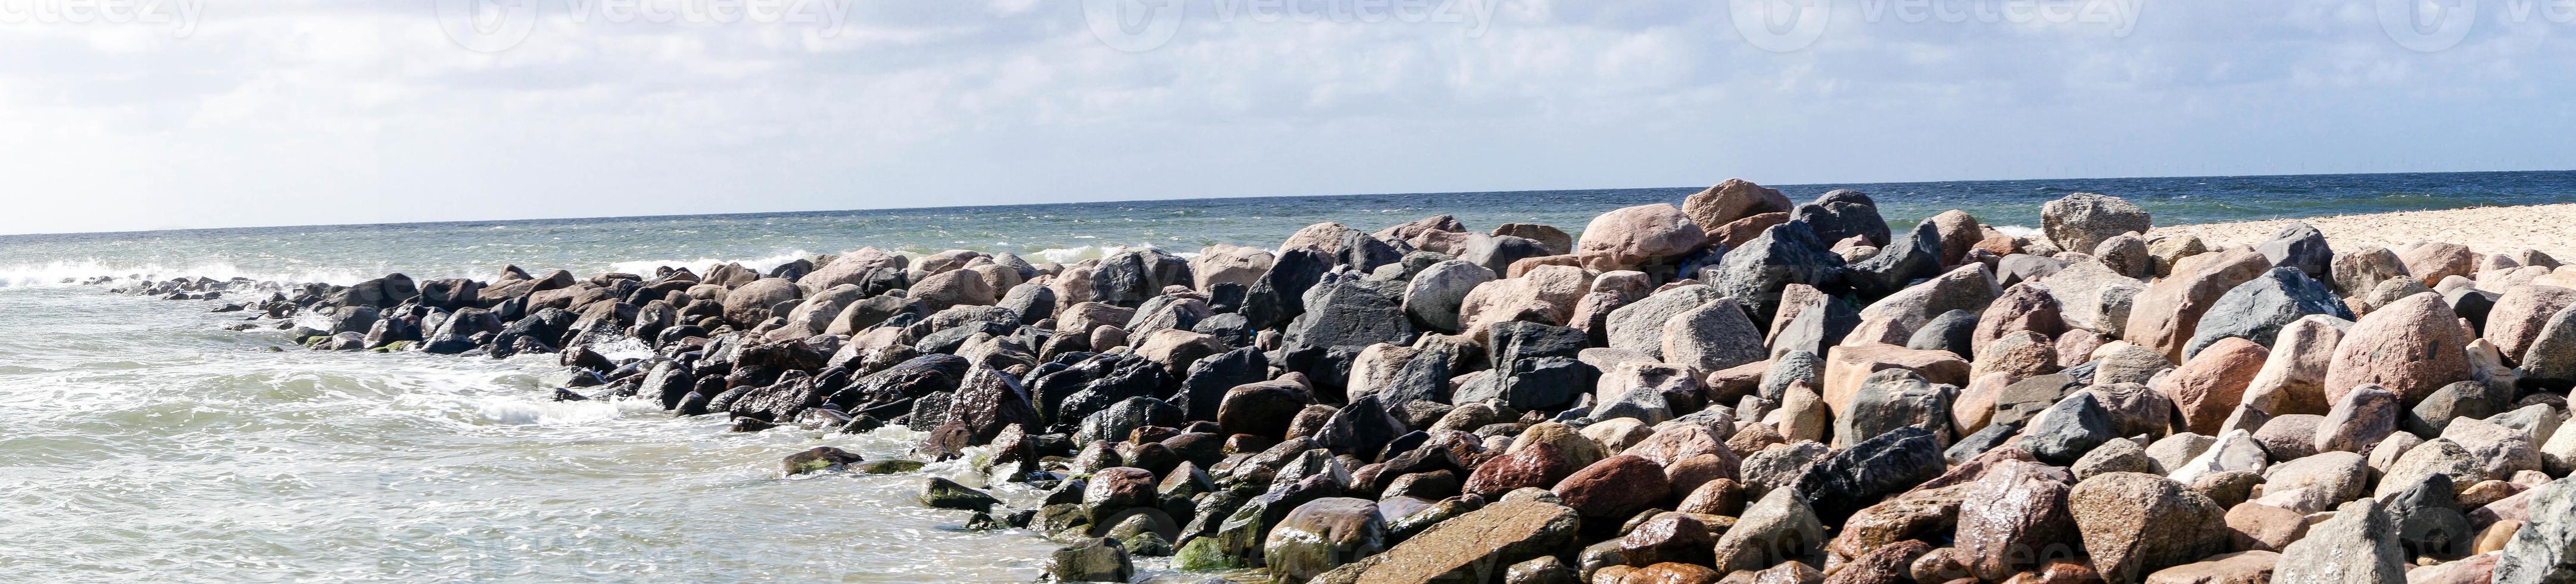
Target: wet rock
<point>946,494</point>
<point>1779,527</point>
<point>1321,535</point>
<point>818,459</point>
<point>1614,488</point>
<point>1092,560</point>
<point>1479,546</point>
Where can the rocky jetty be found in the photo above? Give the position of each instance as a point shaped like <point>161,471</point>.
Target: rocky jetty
<point>1738,388</point>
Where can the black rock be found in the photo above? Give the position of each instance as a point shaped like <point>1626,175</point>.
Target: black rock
<point>1203,389</point>
<point>1841,214</point>
<point>1280,293</point>
<point>1514,340</point>
<point>2429,520</point>
<point>2257,309</point>
<point>2300,247</point>
<point>820,458</point>
<point>947,494</point>
<point>1547,383</point>
<point>1498,252</point>
<point>1952,331</point>
<point>1115,422</point>
<point>1788,253</point>
<point>1361,428</point>
<point>1868,472</point>
<point>2070,429</point>
<point>1916,256</point>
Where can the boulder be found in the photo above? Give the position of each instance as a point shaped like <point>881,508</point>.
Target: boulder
<point>2518,316</point>
<point>2094,297</point>
<point>2210,385</point>
<point>2292,379</point>
<point>2359,420</point>
<point>1969,287</point>
<point>2246,567</point>
<point>2257,309</point>
<point>2081,221</point>
<point>1478,546</point>
<point>1841,214</point>
<point>2359,544</point>
<point>1638,236</point>
<point>2544,550</point>
<point>1732,200</point>
<point>1779,527</point>
<point>1869,471</point>
<point>2431,262</point>
<point>1432,297</point>
<point>1092,560</point>
<point>2301,247</point>
<point>2135,524</point>
<point>2361,270</point>
<point>2411,347</point>
<point>1785,254</point>
<point>1321,535</point>
<point>2015,517</point>
<point>1715,336</point>
<point>2167,314</point>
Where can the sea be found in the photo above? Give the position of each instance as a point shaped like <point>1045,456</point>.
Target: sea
<point>140,440</point>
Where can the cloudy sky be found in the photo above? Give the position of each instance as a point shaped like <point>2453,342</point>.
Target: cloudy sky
<point>206,113</point>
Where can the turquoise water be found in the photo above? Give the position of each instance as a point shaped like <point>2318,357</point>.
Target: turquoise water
<point>146,443</point>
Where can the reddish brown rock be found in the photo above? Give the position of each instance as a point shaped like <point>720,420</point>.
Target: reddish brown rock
<point>2248,567</point>
<point>1538,465</point>
<point>1615,488</point>
<point>2431,262</point>
<point>2256,526</point>
<point>1733,200</point>
<point>1959,233</point>
<point>2516,319</point>
<point>2023,307</point>
<point>2015,517</point>
<point>1734,233</point>
<point>1668,537</point>
<point>2210,385</point>
<point>1889,563</point>
<point>2163,317</point>
<point>2412,347</point>
<point>1636,236</point>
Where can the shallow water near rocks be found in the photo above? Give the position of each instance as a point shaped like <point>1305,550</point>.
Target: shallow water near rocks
<point>143,442</point>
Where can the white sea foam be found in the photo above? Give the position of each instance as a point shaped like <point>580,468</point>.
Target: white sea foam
<point>764,264</point>
<point>2016,230</point>
<point>67,272</point>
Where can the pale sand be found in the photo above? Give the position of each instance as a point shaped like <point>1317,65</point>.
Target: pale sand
<point>2548,228</point>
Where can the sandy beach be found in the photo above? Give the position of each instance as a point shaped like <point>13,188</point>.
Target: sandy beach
<point>2485,229</point>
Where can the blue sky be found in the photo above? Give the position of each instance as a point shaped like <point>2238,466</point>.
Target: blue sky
<point>207,113</point>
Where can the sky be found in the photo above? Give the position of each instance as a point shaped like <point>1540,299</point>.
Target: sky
<point>155,114</point>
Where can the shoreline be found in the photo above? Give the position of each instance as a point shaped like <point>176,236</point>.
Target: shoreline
<point>1431,399</point>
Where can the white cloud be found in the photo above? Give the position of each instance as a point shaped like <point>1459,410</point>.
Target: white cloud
<point>319,112</point>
